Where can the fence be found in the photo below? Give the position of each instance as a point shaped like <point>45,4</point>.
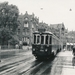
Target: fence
<point>14,47</point>
<point>7,47</point>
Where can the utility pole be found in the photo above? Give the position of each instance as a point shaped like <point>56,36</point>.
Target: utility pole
<point>60,35</point>
<point>0,53</point>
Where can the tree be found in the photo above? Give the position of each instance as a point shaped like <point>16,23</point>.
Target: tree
<point>5,35</point>
<point>8,21</point>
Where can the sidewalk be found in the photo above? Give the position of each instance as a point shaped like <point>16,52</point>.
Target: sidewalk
<point>69,69</point>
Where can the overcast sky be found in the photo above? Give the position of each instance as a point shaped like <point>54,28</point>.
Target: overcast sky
<point>49,11</point>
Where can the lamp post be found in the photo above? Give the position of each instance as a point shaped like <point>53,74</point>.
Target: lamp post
<point>66,39</point>
<point>72,42</point>
<point>0,53</point>
<point>60,36</point>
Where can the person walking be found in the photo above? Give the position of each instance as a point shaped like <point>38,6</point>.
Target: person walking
<point>73,50</point>
<point>73,62</point>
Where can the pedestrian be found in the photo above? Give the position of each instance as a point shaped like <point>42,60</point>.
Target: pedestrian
<point>73,50</point>
<point>17,46</point>
<point>0,53</point>
<point>73,62</point>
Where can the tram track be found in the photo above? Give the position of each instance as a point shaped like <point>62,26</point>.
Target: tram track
<point>8,66</point>
<point>15,69</point>
<point>22,67</point>
<point>38,69</point>
<point>9,61</point>
<point>43,69</point>
<point>25,72</point>
<point>29,66</point>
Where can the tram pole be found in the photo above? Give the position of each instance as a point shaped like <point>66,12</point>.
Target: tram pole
<point>60,36</point>
<point>0,53</point>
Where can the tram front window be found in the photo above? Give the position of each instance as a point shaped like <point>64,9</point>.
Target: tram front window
<point>34,39</point>
<point>38,39</point>
<point>42,39</point>
<point>46,39</point>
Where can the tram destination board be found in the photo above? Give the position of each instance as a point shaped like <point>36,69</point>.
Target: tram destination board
<point>41,29</point>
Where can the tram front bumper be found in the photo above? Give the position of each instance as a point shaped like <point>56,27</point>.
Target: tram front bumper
<point>40,53</point>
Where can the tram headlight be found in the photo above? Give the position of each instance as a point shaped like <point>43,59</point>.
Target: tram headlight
<point>46,50</point>
<point>33,49</point>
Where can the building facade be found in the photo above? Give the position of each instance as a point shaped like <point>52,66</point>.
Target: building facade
<point>27,25</point>
<point>59,30</point>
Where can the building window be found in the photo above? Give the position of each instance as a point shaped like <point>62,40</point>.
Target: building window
<point>18,31</point>
<point>23,30</point>
<point>26,18</point>
<point>32,26</point>
<point>25,24</point>
<point>25,39</point>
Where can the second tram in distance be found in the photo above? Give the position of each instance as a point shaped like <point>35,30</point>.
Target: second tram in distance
<point>45,44</point>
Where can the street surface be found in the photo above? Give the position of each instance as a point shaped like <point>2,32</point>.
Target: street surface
<point>24,63</point>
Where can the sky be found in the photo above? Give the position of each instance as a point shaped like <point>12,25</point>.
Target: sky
<point>49,11</point>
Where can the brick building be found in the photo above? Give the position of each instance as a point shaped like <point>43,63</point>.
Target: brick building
<point>28,24</point>
<point>59,30</point>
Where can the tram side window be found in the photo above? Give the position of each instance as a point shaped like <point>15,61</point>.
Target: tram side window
<point>34,39</point>
<point>47,39</point>
<point>53,41</point>
<point>38,39</point>
<point>42,39</point>
<point>50,41</point>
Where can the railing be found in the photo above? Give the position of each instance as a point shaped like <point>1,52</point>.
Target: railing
<point>5,53</point>
<point>4,47</point>
<point>7,47</point>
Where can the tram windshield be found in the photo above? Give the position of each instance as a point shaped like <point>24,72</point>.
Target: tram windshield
<point>47,39</point>
<point>42,39</point>
<point>36,39</point>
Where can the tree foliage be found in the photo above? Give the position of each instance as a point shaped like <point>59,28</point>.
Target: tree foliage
<point>8,20</point>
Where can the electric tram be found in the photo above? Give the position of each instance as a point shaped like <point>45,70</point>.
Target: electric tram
<point>45,44</point>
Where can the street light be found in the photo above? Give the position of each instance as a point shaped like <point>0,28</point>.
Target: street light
<point>60,35</point>
<point>0,53</point>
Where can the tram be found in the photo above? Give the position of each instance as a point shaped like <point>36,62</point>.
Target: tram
<point>45,44</point>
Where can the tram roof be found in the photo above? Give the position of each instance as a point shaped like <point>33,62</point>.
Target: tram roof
<point>46,32</point>
<point>36,32</point>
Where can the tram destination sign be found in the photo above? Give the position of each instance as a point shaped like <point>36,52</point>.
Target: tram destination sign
<point>41,29</point>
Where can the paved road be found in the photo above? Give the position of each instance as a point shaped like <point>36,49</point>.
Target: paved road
<point>26,64</point>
